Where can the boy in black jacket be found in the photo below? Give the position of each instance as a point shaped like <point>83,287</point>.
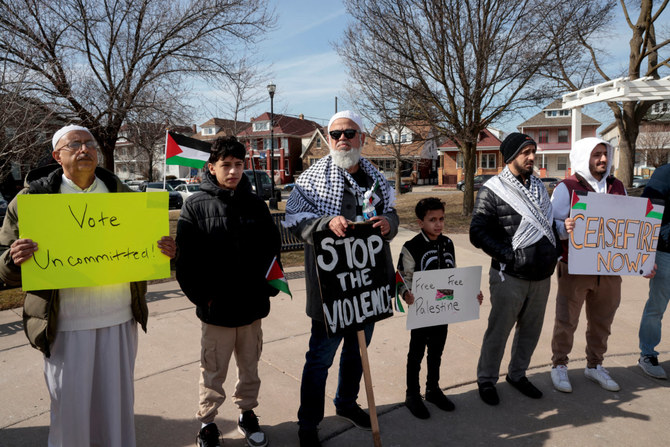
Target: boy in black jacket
<point>428,250</point>
<point>227,241</point>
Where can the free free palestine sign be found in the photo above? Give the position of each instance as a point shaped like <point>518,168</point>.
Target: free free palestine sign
<point>93,239</point>
<point>356,286</point>
<point>613,235</point>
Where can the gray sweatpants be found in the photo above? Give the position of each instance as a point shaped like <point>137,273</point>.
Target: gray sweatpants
<point>517,302</point>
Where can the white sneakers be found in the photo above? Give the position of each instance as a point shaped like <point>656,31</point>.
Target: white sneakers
<point>559,376</point>
<point>601,377</point>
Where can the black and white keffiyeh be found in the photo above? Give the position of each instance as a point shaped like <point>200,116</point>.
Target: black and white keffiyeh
<point>318,191</point>
<point>531,203</point>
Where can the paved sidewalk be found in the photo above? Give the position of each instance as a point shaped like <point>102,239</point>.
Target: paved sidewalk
<point>167,381</point>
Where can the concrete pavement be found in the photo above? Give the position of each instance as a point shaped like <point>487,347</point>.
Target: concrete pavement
<point>167,381</point>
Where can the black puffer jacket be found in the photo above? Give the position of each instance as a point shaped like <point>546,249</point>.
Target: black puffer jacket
<point>226,241</point>
<point>492,228</point>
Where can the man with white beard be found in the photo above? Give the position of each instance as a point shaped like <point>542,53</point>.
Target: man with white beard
<point>331,194</point>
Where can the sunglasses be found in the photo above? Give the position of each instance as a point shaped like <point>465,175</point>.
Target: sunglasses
<point>348,134</point>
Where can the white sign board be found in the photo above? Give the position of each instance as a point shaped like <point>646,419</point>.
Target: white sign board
<point>613,235</point>
<point>444,296</point>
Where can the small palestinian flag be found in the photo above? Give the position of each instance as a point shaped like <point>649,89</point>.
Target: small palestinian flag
<point>653,211</point>
<point>185,151</point>
<point>397,303</point>
<point>275,277</point>
<point>576,204</point>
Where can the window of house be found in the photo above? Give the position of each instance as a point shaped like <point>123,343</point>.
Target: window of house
<point>562,162</point>
<point>266,143</point>
<point>543,136</point>
<point>565,112</point>
<point>661,107</point>
<point>253,144</point>
<point>208,131</point>
<point>488,161</point>
<point>261,125</point>
<point>459,160</point>
<point>287,169</point>
<point>550,113</point>
<point>542,161</point>
<point>563,135</point>
<point>318,142</point>
<point>284,143</point>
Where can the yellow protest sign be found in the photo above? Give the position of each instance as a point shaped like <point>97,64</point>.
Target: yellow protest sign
<point>93,239</point>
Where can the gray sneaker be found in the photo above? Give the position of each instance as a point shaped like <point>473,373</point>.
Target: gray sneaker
<point>650,366</point>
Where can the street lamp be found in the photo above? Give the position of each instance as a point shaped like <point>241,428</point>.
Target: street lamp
<point>273,199</point>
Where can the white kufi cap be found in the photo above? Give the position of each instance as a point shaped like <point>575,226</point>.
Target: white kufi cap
<point>353,116</point>
<point>63,130</point>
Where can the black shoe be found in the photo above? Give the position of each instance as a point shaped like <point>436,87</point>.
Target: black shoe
<point>438,398</point>
<point>488,393</point>
<point>526,388</point>
<point>247,424</point>
<point>309,438</point>
<point>356,416</point>
<point>208,436</point>
<point>415,405</point>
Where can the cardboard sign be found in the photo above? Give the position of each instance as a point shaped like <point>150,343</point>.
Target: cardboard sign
<point>444,296</point>
<point>613,235</point>
<point>356,286</point>
<point>93,239</point>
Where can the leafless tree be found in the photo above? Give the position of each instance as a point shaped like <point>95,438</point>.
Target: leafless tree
<point>582,63</point>
<point>25,126</point>
<point>95,61</point>
<point>654,144</point>
<point>244,89</point>
<point>466,62</point>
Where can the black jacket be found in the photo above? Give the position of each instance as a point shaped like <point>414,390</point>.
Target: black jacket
<point>227,240</point>
<point>659,188</point>
<point>492,228</point>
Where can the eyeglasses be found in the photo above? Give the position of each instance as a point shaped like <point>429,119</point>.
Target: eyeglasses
<point>74,146</point>
<point>348,134</point>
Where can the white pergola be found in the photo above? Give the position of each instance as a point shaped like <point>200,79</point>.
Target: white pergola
<point>621,89</point>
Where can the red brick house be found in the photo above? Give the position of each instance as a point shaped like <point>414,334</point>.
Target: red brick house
<point>552,129</point>
<point>489,160</point>
<point>291,136</point>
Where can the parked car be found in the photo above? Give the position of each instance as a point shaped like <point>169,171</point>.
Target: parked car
<point>550,183</point>
<point>3,208</point>
<point>404,187</point>
<point>174,182</point>
<point>175,201</point>
<point>134,184</point>
<point>479,181</point>
<point>639,182</point>
<point>187,190</point>
<point>264,183</point>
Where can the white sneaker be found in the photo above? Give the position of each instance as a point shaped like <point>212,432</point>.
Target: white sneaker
<point>650,366</point>
<point>602,377</point>
<point>559,375</point>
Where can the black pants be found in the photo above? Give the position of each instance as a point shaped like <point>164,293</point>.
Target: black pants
<point>433,338</point>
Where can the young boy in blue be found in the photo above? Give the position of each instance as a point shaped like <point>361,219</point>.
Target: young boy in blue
<point>428,250</point>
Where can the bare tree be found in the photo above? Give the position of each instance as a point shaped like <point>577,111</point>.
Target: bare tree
<point>244,89</point>
<point>466,62</point>
<point>24,126</point>
<point>654,145</point>
<point>582,62</point>
<point>96,61</point>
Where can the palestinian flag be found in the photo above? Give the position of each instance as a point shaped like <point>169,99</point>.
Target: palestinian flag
<point>185,151</point>
<point>275,277</point>
<point>654,210</point>
<point>397,303</point>
<point>576,204</point>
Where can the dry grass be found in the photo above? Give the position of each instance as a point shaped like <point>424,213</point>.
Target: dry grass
<point>454,223</point>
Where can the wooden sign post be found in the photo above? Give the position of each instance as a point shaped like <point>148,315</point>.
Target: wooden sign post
<point>356,289</point>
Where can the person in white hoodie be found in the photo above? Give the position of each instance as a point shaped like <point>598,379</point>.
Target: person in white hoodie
<point>591,160</point>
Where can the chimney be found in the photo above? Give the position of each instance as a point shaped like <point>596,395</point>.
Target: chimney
<point>194,128</point>
<point>301,116</point>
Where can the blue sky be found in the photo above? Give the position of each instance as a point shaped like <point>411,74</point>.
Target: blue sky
<point>299,58</point>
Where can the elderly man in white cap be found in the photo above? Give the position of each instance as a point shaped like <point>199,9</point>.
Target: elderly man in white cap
<point>330,195</point>
<point>88,334</point>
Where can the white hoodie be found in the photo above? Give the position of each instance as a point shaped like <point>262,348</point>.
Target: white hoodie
<point>579,161</point>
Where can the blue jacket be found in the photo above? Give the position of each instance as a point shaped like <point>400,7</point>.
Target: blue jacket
<point>659,188</point>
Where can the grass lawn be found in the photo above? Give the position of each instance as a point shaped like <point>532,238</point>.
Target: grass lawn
<point>454,223</point>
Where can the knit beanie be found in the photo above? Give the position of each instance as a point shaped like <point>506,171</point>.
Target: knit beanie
<point>513,144</point>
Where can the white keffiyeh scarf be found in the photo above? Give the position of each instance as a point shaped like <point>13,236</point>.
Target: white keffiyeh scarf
<point>532,204</point>
<point>318,191</point>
